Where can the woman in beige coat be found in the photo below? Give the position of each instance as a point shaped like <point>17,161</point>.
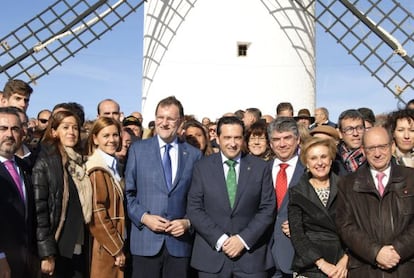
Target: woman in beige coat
<point>107,226</point>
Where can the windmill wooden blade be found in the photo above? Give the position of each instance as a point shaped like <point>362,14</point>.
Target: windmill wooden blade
<point>59,33</point>
<point>379,34</point>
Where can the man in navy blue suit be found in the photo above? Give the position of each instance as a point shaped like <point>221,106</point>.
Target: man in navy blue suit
<point>156,193</point>
<point>233,227</point>
<point>284,141</point>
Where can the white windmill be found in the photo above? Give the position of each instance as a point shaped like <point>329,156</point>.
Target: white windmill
<point>218,56</point>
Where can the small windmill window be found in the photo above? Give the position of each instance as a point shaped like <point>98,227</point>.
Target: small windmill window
<point>242,49</point>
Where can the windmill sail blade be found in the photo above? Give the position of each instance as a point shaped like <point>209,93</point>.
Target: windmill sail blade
<point>57,34</point>
<point>378,34</point>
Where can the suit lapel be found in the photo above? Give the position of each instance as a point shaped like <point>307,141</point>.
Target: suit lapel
<point>6,174</point>
<point>333,190</point>
<point>182,153</point>
<point>297,174</point>
<point>28,187</point>
<point>157,163</point>
<point>218,182</point>
<point>244,173</point>
<point>10,183</point>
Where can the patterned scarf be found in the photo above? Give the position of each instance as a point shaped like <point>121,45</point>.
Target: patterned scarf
<point>351,158</point>
<point>77,169</point>
<point>404,159</point>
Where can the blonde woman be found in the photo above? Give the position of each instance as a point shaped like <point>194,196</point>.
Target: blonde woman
<point>312,210</point>
<point>107,225</point>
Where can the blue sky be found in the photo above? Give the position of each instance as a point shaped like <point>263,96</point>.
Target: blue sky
<point>111,68</point>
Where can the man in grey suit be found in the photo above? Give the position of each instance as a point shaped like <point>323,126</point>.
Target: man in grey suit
<point>231,205</point>
<point>284,141</point>
<point>158,176</point>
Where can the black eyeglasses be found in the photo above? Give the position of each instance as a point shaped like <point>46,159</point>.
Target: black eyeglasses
<point>43,121</point>
<point>350,129</point>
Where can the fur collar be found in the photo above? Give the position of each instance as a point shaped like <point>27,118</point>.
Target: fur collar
<point>96,162</point>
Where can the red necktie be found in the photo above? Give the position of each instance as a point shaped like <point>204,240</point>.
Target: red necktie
<point>281,184</point>
<point>380,176</point>
<point>16,178</point>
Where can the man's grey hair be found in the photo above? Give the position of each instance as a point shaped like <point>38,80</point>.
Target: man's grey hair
<point>283,124</point>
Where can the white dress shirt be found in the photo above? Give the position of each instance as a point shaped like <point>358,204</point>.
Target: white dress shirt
<point>289,170</point>
<point>173,155</point>
<point>112,163</point>
<point>385,179</point>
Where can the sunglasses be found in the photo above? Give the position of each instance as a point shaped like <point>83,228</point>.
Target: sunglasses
<point>43,121</point>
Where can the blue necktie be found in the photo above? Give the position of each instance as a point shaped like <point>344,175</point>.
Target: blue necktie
<point>114,169</point>
<point>166,164</point>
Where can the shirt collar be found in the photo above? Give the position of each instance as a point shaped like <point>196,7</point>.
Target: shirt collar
<point>163,143</point>
<point>3,159</point>
<point>109,159</point>
<point>224,158</point>
<point>292,162</point>
<point>386,171</point>
<point>26,151</point>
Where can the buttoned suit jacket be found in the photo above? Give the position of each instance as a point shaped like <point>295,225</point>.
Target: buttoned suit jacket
<point>251,217</point>
<point>17,237</point>
<point>281,245</point>
<point>146,192</point>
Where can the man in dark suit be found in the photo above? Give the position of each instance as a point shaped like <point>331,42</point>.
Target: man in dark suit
<point>17,239</point>
<point>158,177</point>
<point>375,212</point>
<point>233,220</point>
<point>286,172</point>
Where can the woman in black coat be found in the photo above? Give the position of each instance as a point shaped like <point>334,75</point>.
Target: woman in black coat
<point>318,248</point>
<point>63,199</point>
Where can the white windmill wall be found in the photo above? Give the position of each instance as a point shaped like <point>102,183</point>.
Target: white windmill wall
<point>200,65</point>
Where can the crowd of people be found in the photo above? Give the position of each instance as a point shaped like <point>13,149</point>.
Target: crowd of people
<point>246,195</point>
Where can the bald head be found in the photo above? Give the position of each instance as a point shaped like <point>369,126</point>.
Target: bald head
<point>110,109</point>
<point>137,115</point>
<point>377,146</point>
